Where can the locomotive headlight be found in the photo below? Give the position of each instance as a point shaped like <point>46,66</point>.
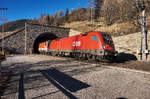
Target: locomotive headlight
<point>103,46</point>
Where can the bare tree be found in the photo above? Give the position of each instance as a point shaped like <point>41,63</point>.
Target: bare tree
<point>127,10</point>
<point>59,18</point>
<point>123,10</point>
<point>90,10</point>
<point>111,11</point>
<point>42,19</point>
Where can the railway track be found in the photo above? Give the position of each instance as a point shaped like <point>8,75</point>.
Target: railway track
<point>83,60</point>
<point>121,63</point>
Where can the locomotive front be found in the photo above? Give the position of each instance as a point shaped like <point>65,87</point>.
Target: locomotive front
<point>108,45</point>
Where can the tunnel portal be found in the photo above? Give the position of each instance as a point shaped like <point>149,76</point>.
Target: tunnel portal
<point>41,38</point>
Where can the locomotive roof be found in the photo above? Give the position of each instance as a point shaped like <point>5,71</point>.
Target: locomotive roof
<point>86,34</point>
<point>97,31</point>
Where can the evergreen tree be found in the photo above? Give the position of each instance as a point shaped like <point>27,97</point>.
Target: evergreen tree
<point>67,15</point>
<point>98,6</point>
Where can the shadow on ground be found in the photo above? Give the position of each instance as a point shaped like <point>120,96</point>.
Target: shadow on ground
<point>34,76</point>
<point>5,77</point>
<point>123,57</point>
<point>121,98</point>
<point>59,79</point>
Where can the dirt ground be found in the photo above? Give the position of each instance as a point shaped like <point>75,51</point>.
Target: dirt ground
<point>137,65</point>
<point>5,76</point>
<point>47,77</point>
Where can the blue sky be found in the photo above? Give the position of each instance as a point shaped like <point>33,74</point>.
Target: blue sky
<point>27,9</point>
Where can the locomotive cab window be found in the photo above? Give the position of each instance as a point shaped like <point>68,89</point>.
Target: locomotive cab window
<point>94,38</point>
<point>107,39</point>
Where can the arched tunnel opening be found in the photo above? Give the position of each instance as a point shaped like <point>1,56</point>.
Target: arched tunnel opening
<point>41,38</point>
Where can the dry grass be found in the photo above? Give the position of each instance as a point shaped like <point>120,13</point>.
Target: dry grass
<point>117,28</point>
<point>85,26</point>
<point>127,27</point>
<point>75,24</point>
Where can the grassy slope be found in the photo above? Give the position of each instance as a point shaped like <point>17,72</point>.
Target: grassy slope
<point>115,29</point>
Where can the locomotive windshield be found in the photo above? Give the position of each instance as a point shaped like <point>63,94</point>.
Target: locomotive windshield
<point>107,39</point>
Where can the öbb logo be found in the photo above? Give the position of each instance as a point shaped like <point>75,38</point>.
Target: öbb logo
<point>76,43</point>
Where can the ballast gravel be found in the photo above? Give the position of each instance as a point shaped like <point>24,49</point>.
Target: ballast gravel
<point>47,77</point>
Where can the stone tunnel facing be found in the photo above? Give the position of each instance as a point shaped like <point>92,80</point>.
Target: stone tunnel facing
<point>41,38</point>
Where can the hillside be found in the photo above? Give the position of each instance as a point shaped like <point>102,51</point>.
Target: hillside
<point>15,25</point>
<point>117,28</point>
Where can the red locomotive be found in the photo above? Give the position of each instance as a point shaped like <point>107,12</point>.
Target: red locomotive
<point>92,45</point>
<point>43,47</point>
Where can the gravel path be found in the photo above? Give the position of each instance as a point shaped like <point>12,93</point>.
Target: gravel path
<point>47,77</point>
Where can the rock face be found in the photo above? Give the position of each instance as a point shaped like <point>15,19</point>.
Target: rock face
<point>130,44</point>
<point>16,41</point>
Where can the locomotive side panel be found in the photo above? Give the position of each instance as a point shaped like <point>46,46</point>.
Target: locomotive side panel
<point>53,45</point>
<point>66,44</point>
<point>93,41</point>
